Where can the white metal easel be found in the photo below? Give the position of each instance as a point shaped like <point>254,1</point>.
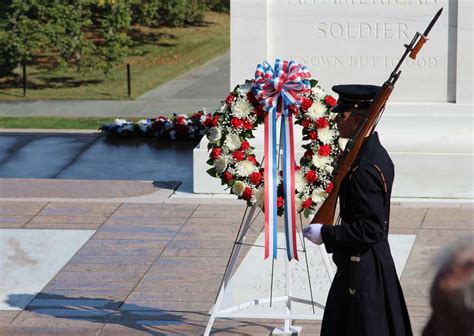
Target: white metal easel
<point>288,316</point>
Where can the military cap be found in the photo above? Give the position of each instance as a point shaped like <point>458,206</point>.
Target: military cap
<point>354,96</point>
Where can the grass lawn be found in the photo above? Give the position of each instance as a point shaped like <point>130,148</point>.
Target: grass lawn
<point>57,122</point>
<point>164,54</point>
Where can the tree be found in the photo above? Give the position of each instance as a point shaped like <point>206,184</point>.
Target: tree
<point>24,34</point>
<point>65,23</point>
<point>112,29</point>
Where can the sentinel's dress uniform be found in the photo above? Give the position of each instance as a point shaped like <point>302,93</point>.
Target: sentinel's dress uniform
<point>378,307</point>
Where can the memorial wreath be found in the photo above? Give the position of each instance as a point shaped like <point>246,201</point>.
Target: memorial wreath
<point>284,91</point>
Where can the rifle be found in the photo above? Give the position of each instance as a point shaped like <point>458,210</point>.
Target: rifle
<point>325,214</point>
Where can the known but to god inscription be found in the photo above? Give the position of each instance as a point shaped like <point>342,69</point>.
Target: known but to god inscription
<point>363,61</point>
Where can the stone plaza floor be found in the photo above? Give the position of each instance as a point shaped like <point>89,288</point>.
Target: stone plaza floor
<point>132,258</point>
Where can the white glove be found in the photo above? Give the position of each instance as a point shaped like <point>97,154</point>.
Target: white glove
<point>313,233</point>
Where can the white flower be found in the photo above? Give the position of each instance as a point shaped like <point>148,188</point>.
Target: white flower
<point>203,118</point>
<point>241,108</point>
<point>316,111</point>
<point>318,195</point>
<point>119,122</point>
<point>226,157</point>
<point>222,108</point>
<point>321,161</point>
<point>298,204</point>
<point>242,90</point>
<point>259,197</point>
<point>220,164</point>
<point>343,142</point>
<point>326,135</point>
<point>329,169</point>
<point>245,168</point>
<point>300,181</point>
<point>318,92</point>
<point>232,141</point>
<point>253,200</point>
<point>143,124</point>
<point>238,188</point>
<point>214,134</point>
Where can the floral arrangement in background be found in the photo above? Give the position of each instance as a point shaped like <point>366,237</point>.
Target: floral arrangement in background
<point>176,127</point>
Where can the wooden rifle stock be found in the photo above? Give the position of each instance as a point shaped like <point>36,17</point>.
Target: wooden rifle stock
<point>418,47</point>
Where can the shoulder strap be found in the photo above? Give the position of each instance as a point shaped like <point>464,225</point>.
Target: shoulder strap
<point>383,180</point>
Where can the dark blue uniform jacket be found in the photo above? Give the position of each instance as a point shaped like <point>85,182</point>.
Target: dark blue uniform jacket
<point>378,307</point>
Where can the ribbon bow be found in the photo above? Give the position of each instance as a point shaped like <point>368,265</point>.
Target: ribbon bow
<point>277,89</point>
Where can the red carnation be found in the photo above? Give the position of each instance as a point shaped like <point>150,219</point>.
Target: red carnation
<point>324,150</point>
<point>308,154</point>
<point>329,187</point>
<point>230,98</point>
<point>228,176</point>
<point>255,178</point>
<point>279,201</point>
<point>247,124</point>
<point>321,123</point>
<point>215,153</point>
<point>330,101</point>
<point>209,122</point>
<point>181,120</point>
<point>252,159</point>
<point>238,155</point>
<point>307,203</point>
<point>236,122</point>
<point>247,194</point>
<point>313,135</point>
<point>293,109</point>
<point>244,145</point>
<point>311,176</point>
<point>306,104</point>
<point>251,98</point>
<point>306,123</point>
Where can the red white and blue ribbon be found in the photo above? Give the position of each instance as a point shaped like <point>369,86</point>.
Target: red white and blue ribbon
<point>276,89</point>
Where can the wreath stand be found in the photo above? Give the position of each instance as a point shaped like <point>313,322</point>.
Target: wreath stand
<point>288,316</point>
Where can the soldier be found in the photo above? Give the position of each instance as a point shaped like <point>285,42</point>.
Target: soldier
<point>365,297</point>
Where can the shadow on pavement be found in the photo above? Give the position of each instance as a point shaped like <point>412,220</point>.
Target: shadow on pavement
<point>153,321</point>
